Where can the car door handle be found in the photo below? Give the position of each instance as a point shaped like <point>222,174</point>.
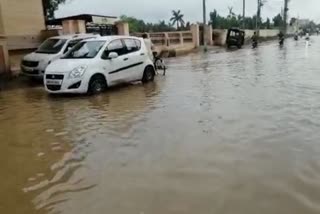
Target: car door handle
<point>125,59</point>
<point>142,54</point>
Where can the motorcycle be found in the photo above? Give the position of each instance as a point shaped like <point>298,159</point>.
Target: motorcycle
<point>159,63</point>
<point>281,41</point>
<point>254,44</point>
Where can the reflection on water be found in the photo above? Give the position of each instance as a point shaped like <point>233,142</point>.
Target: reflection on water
<point>224,132</point>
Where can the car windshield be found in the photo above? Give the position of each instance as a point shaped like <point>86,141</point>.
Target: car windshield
<point>85,50</point>
<point>51,46</point>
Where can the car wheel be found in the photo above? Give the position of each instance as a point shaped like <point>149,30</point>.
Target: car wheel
<point>148,75</point>
<point>158,64</point>
<point>97,84</point>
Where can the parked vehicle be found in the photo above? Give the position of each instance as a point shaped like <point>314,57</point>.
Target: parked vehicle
<point>235,37</point>
<point>95,64</point>
<point>34,64</point>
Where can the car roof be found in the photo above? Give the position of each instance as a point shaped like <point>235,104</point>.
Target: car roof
<point>110,38</point>
<point>75,36</point>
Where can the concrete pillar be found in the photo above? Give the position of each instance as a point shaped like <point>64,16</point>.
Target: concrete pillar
<point>181,38</point>
<point>66,26</point>
<point>123,28</point>
<point>195,35</point>
<point>208,34</point>
<point>167,39</point>
<point>73,26</point>
<point>81,26</point>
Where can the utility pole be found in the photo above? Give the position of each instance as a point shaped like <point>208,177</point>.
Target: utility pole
<point>258,17</point>
<point>204,25</point>
<point>285,16</point>
<point>244,15</point>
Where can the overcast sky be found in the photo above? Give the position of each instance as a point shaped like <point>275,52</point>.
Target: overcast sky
<point>155,10</point>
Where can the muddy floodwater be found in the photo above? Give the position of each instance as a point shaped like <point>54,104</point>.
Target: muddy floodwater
<point>227,132</point>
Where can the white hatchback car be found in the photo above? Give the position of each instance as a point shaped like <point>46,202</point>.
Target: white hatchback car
<point>95,64</point>
<point>35,64</point>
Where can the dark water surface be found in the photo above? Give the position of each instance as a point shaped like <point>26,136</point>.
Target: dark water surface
<point>223,133</point>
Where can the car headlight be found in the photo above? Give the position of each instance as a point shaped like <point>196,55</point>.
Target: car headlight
<point>77,72</point>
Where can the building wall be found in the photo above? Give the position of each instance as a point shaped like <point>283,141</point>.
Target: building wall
<point>1,22</point>
<point>21,23</point>
<point>22,17</point>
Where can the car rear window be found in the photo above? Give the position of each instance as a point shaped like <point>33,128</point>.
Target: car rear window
<point>132,45</point>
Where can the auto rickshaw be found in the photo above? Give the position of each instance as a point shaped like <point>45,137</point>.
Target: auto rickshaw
<point>235,37</point>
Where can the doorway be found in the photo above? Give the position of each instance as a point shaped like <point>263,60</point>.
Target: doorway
<point>2,61</point>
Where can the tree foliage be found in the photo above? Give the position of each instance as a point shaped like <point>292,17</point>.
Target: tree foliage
<point>138,25</point>
<point>177,18</point>
<point>233,20</point>
<point>278,20</point>
<point>293,21</point>
<point>50,6</point>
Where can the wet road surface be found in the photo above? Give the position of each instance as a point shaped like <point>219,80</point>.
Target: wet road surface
<point>224,132</point>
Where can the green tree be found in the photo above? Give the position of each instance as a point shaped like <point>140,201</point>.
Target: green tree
<point>214,19</point>
<point>293,21</point>
<point>267,24</point>
<point>231,13</point>
<point>139,26</point>
<point>188,26</point>
<point>277,20</point>
<point>219,22</point>
<point>50,6</point>
<point>135,25</point>
<point>177,18</point>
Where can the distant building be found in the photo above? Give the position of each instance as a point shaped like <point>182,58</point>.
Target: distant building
<point>86,23</point>
<point>301,23</point>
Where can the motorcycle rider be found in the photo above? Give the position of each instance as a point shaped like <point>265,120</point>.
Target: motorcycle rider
<point>281,38</point>
<point>296,36</point>
<point>307,36</point>
<point>149,45</point>
<point>254,39</point>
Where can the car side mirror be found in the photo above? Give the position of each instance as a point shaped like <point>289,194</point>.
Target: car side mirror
<point>113,55</point>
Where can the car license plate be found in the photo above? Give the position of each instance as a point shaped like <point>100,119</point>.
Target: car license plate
<point>27,70</point>
<point>54,82</point>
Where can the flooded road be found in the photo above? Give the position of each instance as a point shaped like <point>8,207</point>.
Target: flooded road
<point>224,132</point>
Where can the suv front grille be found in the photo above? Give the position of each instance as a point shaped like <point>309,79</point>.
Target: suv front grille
<point>55,76</point>
<point>31,64</point>
<point>54,87</point>
<point>33,72</point>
